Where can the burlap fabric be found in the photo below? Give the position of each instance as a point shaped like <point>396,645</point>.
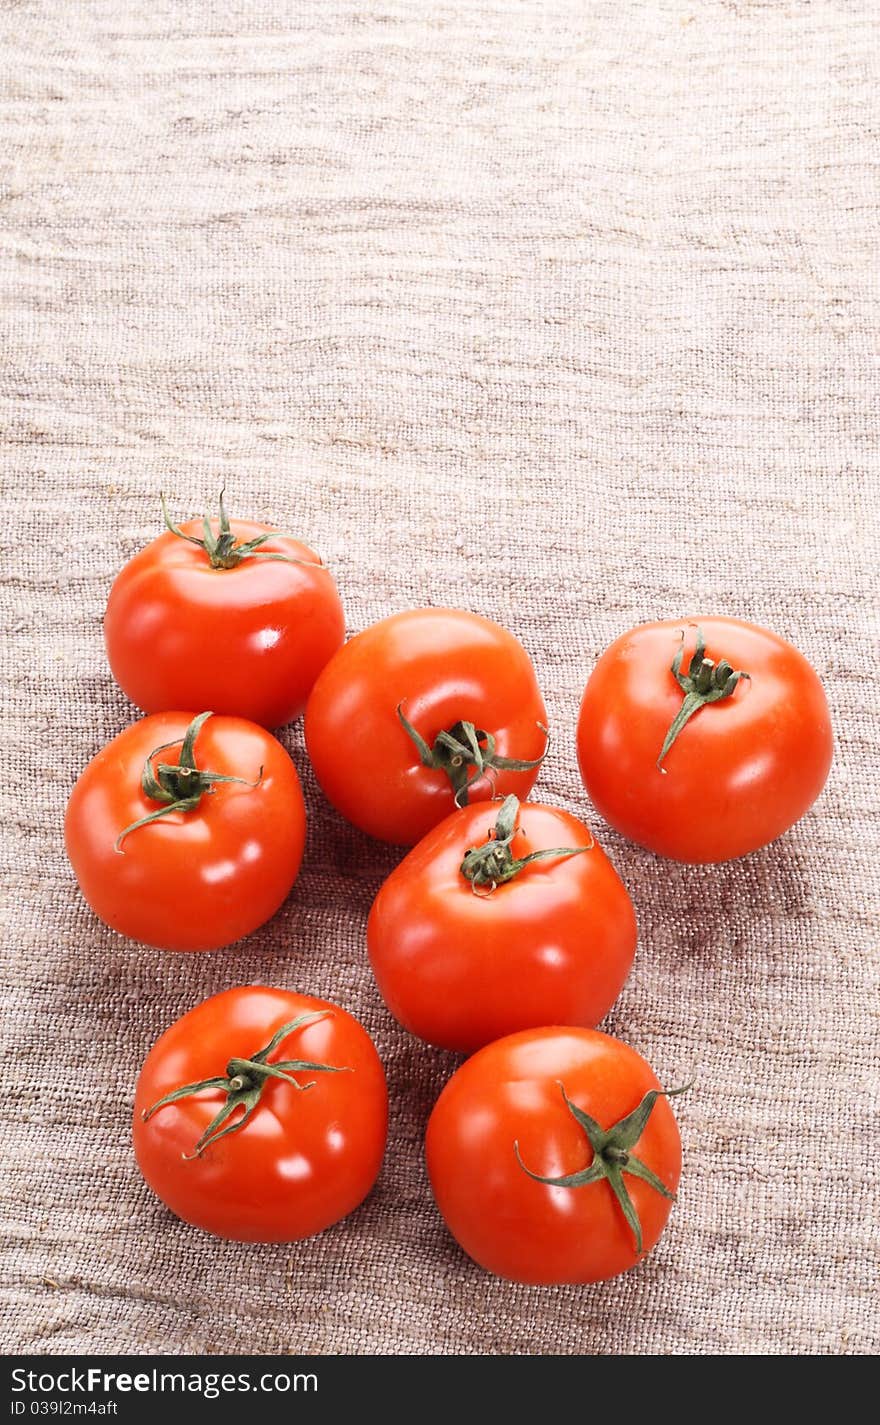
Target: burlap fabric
<point>564,311</point>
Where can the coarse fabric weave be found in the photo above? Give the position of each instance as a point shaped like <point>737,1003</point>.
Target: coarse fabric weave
<point>562,311</point>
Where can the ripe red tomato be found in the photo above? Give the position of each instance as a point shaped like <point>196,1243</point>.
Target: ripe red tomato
<point>707,747</point>
<point>421,708</point>
<point>460,963</point>
<point>221,624</point>
<point>280,1129</point>
<point>554,1156</point>
<point>223,841</point>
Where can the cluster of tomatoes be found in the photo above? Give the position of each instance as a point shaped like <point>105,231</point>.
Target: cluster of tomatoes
<point>504,934</point>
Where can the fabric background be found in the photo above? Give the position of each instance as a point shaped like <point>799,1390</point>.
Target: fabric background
<point>564,311</point>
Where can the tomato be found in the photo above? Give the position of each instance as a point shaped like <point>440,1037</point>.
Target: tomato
<point>199,623</point>
<point>703,741</point>
<point>187,833</point>
<point>491,924</point>
<point>421,713</point>
<point>261,1115</point>
<point>554,1156</point>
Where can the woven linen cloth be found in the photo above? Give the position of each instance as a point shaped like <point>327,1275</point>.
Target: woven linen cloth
<point>562,311</point>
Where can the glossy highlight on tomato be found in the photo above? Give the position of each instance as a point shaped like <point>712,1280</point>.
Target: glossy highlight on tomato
<point>750,731</point>
<point>420,709</point>
<point>508,1117</point>
<point>529,939</point>
<point>193,879</point>
<point>248,640</point>
<point>297,1153</point>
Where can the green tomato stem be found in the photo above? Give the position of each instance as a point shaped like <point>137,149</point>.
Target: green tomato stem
<point>244,1083</point>
<point>493,863</point>
<point>705,682</point>
<point>463,747</point>
<point>222,550</point>
<point>613,1156</point>
<point>179,785</point>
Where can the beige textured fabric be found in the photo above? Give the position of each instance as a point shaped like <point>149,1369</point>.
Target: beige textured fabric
<point>564,311</point>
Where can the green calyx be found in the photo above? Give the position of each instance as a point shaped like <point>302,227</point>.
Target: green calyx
<point>705,682</point>
<point>466,754</point>
<point>181,785</point>
<point>493,863</point>
<point>244,1083</point>
<point>221,548</point>
<point>613,1156</point>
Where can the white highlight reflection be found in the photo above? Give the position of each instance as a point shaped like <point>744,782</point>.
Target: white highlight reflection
<point>295,1169</point>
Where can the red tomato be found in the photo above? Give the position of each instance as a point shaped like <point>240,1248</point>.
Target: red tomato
<point>713,757</point>
<point>206,871</point>
<point>251,1155</point>
<point>476,721</point>
<point>460,963</point>
<point>570,1105</point>
<point>246,635</point>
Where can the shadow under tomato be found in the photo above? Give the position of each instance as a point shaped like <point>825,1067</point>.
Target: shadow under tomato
<point>714,911</point>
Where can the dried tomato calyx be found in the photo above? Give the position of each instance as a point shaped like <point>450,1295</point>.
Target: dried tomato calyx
<point>494,862</point>
<point>705,682</point>
<point>461,748</point>
<point>221,548</point>
<point>181,785</point>
<point>613,1156</point>
<point>244,1082</point>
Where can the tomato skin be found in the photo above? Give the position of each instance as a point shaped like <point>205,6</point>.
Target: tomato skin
<point>304,1160</point>
<point>194,880</point>
<point>442,665</point>
<point>551,946</point>
<point>509,1093</point>
<point>248,641</point>
<point>741,771</point>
